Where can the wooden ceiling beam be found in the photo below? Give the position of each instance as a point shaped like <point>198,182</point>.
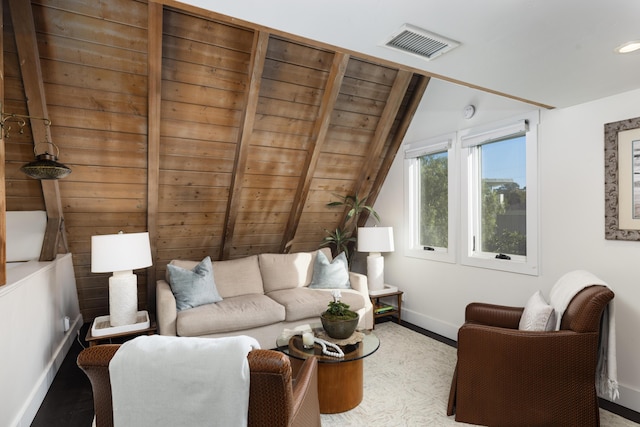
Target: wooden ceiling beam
<point>30,67</point>
<point>258,58</point>
<point>3,192</point>
<point>318,136</point>
<point>154,64</point>
<point>385,124</point>
<point>407,117</point>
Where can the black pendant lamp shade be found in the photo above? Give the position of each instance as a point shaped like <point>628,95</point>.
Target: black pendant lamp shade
<point>46,165</point>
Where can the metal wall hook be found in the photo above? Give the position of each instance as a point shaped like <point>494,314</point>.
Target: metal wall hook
<point>20,120</point>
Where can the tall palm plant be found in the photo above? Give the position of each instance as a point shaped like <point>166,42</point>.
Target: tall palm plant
<point>344,238</point>
<point>340,240</point>
<point>357,206</point>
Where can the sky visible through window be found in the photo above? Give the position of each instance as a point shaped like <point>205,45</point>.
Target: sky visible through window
<point>505,160</point>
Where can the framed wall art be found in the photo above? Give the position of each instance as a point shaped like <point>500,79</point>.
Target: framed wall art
<point>622,180</point>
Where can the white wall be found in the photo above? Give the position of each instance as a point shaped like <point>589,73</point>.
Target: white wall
<point>33,343</point>
<point>571,178</point>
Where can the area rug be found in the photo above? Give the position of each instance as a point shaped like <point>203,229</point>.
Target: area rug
<point>407,381</point>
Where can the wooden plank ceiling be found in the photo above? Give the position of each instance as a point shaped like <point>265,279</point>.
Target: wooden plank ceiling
<point>221,138</point>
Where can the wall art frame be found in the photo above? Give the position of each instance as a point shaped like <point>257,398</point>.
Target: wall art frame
<point>619,139</point>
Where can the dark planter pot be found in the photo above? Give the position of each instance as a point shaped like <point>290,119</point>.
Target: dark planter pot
<point>339,329</point>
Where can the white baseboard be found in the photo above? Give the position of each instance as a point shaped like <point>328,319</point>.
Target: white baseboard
<point>447,330</point>
<point>629,398</point>
<point>40,388</point>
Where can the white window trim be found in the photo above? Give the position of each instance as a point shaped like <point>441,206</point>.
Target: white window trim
<point>411,195</point>
<point>468,140</point>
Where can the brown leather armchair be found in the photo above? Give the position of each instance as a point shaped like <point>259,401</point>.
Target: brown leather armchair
<point>508,377</point>
<point>277,397</point>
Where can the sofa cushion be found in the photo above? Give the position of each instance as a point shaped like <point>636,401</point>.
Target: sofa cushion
<point>231,314</point>
<point>329,274</point>
<point>287,271</point>
<point>193,287</point>
<point>302,303</point>
<point>238,276</point>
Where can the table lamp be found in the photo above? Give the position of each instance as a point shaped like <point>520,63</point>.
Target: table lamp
<point>375,240</point>
<point>121,254</point>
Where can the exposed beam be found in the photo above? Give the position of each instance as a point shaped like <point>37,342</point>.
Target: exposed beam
<point>260,44</point>
<point>153,134</point>
<point>25,33</point>
<point>318,136</point>
<point>3,201</point>
<point>407,117</point>
<point>385,124</point>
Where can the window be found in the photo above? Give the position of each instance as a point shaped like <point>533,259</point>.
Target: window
<point>433,220</point>
<point>430,199</point>
<point>499,196</point>
<point>475,190</point>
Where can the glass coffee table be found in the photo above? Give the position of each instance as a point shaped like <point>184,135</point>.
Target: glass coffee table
<point>340,379</point>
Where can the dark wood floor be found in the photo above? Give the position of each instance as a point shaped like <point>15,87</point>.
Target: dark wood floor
<point>69,401</point>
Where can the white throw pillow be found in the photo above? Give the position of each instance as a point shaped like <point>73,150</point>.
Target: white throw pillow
<point>538,315</point>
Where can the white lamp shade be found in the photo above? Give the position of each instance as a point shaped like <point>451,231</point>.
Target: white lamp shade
<point>120,252</point>
<point>375,239</point>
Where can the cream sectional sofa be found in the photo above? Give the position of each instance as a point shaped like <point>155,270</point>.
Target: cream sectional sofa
<point>261,296</point>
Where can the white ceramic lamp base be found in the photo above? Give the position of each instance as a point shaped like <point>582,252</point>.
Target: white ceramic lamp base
<point>375,271</point>
<point>123,298</point>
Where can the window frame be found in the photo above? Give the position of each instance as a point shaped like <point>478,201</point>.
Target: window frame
<point>469,140</point>
<point>412,153</point>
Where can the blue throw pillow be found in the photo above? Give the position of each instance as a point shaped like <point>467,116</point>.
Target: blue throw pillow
<point>194,287</point>
<point>330,275</point>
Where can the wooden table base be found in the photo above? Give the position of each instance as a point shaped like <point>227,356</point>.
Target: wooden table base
<point>340,386</point>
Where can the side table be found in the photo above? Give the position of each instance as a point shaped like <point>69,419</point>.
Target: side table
<point>120,337</point>
<point>376,304</point>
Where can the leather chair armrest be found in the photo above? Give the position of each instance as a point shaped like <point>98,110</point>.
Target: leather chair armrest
<point>270,395</point>
<point>166,309</point>
<point>306,406</point>
<point>94,361</point>
<point>277,399</point>
<point>494,315</point>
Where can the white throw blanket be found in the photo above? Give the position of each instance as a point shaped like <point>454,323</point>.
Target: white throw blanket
<point>560,296</point>
<point>161,381</point>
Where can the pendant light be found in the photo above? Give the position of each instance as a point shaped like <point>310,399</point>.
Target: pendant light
<point>46,166</point>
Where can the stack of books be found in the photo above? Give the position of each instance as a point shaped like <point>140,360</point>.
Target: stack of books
<point>380,308</point>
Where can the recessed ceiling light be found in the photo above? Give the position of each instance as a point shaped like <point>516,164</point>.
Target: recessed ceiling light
<point>628,47</point>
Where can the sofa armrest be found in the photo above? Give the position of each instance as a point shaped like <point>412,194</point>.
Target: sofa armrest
<point>166,309</point>
<point>359,283</point>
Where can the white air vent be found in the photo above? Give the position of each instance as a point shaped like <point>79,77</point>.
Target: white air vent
<point>419,42</point>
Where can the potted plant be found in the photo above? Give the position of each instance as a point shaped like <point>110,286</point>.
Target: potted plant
<point>340,240</point>
<point>343,239</point>
<point>337,320</point>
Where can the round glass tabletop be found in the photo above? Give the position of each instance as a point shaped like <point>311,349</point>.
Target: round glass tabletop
<point>293,347</point>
